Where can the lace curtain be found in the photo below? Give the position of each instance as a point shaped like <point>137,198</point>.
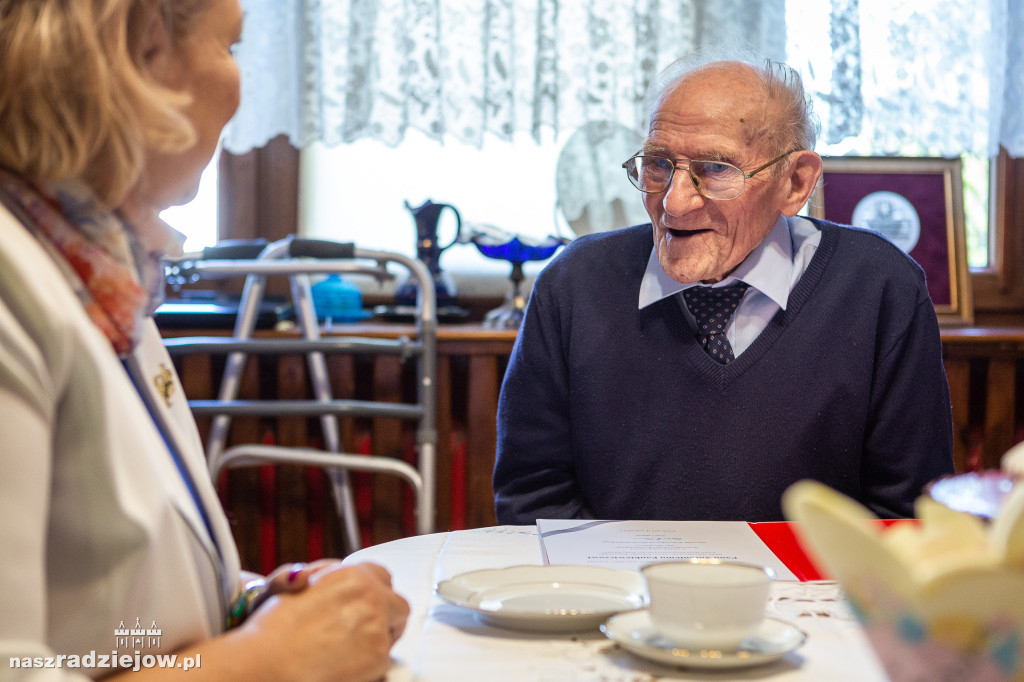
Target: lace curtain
<point>339,70</point>
<point>913,77</point>
<point>935,77</point>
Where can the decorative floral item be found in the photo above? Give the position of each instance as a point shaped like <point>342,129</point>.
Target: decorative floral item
<point>942,599</point>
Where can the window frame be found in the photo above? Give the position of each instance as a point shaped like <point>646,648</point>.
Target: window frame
<point>999,288</point>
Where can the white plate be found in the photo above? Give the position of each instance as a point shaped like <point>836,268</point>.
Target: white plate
<point>633,631</point>
<point>559,598</point>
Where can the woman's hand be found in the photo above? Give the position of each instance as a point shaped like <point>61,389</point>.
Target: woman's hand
<point>321,621</point>
<point>327,622</point>
<point>295,577</point>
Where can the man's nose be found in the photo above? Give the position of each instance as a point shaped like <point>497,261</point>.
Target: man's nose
<point>682,195</point>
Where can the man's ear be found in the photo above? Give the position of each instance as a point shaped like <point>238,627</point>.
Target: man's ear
<point>800,180</point>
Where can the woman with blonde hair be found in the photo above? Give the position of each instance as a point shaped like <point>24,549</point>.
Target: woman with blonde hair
<point>115,551</point>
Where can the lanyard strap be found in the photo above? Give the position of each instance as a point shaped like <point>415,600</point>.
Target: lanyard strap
<point>158,420</point>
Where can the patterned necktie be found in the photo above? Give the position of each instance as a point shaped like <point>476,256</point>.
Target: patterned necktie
<point>712,307</point>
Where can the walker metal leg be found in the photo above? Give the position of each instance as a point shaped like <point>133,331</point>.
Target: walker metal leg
<point>341,487</point>
<point>344,503</point>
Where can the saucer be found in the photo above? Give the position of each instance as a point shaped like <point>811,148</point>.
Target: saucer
<point>560,598</point>
<point>773,639</point>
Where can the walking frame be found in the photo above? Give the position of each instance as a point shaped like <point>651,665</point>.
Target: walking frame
<point>298,259</point>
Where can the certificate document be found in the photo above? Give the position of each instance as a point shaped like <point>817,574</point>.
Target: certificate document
<point>632,544</point>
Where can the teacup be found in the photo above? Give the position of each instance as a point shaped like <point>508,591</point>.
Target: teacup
<point>707,603</point>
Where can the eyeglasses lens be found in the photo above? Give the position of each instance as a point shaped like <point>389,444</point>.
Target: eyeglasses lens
<point>717,180</point>
<point>649,173</point>
<point>713,179</point>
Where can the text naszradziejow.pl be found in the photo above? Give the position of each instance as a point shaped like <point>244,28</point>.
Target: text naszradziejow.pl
<point>112,660</point>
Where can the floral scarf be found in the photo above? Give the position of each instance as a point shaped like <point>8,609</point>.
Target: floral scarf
<point>114,266</point>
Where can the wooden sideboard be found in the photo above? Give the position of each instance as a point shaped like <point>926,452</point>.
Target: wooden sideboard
<point>285,513</point>
<point>985,369</point>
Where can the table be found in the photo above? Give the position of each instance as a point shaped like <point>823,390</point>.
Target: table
<point>445,643</point>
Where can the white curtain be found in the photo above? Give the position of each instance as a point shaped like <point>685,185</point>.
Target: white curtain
<point>930,77</point>
<point>339,70</point>
<point>914,77</point>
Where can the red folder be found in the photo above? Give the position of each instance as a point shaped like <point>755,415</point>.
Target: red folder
<point>783,542</point>
<point>781,539</point>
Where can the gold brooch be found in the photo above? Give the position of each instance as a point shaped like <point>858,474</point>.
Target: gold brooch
<point>164,382</point>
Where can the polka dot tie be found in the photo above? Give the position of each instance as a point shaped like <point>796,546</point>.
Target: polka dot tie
<point>712,307</point>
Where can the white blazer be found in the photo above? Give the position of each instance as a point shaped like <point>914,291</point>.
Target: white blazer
<point>97,525</point>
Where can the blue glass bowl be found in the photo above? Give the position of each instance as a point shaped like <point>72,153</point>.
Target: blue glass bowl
<point>516,251</point>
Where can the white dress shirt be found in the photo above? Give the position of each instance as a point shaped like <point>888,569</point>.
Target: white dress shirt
<point>771,270</point>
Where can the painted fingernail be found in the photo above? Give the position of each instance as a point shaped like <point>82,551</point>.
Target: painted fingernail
<point>294,573</point>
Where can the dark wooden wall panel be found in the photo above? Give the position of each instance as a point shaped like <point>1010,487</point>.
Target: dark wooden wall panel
<point>985,368</point>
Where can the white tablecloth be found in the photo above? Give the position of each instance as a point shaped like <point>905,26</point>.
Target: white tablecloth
<point>445,643</point>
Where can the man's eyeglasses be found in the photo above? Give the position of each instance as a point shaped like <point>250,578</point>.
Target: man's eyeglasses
<point>713,179</point>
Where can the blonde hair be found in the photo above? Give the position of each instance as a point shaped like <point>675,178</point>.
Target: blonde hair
<point>76,100</point>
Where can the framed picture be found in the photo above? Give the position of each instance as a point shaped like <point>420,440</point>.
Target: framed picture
<point>918,204</point>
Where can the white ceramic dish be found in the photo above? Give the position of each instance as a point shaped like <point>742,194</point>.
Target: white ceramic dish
<point>559,598</point>
<point>633,631</point>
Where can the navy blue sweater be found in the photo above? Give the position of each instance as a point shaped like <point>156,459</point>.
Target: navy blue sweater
<point>612,412</point>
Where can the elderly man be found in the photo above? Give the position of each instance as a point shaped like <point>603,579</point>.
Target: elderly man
<point>695,367</point>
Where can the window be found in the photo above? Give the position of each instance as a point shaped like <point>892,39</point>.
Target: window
<point>508,186</point>
<point>357,193</point>
<point>511,185</point>
<point>909,77</point>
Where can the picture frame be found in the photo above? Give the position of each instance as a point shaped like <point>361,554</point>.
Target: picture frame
<point>917,202</point>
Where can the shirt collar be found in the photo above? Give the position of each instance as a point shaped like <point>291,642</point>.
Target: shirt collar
<point>768,268</point>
